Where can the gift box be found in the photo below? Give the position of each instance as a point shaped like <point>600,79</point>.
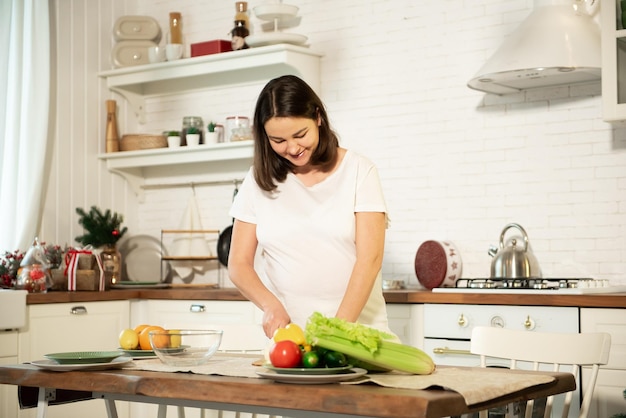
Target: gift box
<point>86,280</point>
<point>210,47</point>
<point>85,274</point>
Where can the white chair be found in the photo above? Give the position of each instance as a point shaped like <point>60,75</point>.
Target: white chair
<point>237,338</point>
<point>556,349</point>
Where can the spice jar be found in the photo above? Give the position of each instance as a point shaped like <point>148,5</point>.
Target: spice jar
<point>189,122</point>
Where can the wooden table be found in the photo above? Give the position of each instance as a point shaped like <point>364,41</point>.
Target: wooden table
<point>265,396</point>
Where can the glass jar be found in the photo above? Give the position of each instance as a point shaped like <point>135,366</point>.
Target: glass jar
<point>189,122</point>
<point>237,129</point>
<point>33,278</point>
<point>112,265</point>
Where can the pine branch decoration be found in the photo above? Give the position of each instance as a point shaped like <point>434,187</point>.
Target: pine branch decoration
<point>102,228</point>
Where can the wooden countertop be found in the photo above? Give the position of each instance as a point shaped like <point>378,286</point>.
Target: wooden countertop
<point>614,300</point>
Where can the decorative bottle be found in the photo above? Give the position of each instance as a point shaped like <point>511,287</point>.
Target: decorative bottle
<point>176,28</point>
<point>242,13</point>
<point>242,26</point>
<point>112,137</point>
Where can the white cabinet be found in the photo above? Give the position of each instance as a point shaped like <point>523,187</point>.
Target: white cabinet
<point>608,398</point>
<point>405,320</point>
<point>613,62</point>
<point>62,327</point>
<point>8,355</point>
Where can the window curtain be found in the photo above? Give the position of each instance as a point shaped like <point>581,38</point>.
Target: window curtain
<point>24,106</point>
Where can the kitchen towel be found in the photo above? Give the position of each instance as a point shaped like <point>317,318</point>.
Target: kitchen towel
<point>190,244</point>
<point>475,385</point>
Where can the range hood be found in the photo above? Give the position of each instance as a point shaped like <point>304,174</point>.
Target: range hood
<point>557,44</point>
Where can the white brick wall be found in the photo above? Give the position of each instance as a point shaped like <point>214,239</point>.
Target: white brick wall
<point>455,164</point>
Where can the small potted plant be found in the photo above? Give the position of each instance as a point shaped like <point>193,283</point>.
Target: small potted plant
<point>173,139</point>
<point>192,136</point>
<point>212,136</point>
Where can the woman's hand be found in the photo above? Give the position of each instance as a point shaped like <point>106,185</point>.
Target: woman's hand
<point>273,318</point>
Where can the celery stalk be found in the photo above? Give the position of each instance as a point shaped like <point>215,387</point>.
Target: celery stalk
<point>367,345</point>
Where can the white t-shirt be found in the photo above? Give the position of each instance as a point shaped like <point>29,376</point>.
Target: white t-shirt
<point>306,237</point>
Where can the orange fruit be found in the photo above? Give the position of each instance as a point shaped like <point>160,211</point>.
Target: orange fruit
<point>140,328</point>
<point>144,338</point>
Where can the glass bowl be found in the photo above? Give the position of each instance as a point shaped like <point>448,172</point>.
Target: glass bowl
<point>182,348</point>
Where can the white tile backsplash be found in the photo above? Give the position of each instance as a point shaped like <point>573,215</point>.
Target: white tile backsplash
<point>455,163</point>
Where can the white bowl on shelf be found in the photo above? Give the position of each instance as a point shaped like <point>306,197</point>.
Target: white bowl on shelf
<point>275,11</point>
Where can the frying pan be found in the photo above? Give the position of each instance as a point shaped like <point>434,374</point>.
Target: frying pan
<point>223,242</point>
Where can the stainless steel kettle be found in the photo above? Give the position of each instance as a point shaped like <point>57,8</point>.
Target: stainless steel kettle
<point>512,261</point>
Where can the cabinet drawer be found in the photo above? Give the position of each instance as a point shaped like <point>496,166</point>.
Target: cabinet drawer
<point>8,343</point>
<point>612,321</point>
<point>457,321</point>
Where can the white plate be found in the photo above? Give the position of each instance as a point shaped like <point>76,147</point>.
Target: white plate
<point>54,366</point>
<point>275,11</point>
<point>313,379</point>
<point>273,38</point>
<point>141,259</point>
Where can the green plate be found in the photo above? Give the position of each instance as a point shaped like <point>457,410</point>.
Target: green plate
<point>138,353</point>
<point>84,357</point>
<point>309,371</point>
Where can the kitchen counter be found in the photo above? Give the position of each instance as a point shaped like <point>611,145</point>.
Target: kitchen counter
<point>613,300</point>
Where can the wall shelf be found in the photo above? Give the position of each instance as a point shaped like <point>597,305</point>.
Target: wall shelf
<point>223,69</point>
<point>133,165</point>
<point>227,69</point>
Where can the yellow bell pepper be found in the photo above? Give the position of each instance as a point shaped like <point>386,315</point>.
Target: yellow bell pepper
<point>291,332</point>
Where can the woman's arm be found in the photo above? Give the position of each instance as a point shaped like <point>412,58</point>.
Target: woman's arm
<point>241,270</point>
<point>370,246</point>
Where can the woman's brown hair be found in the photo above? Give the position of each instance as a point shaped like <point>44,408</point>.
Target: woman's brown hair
<point>289,96</point>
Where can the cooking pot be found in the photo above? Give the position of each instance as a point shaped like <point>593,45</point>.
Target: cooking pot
<point>514,260</point>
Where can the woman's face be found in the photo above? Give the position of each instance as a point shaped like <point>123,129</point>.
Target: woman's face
<point>294,139</point>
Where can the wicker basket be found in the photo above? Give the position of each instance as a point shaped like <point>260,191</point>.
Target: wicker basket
<point>134,142</point>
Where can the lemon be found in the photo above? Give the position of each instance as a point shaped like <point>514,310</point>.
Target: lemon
<point>129,340</point>
<point>175,340</point>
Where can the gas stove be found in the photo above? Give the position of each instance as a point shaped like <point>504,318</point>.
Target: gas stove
<point>545,286</point>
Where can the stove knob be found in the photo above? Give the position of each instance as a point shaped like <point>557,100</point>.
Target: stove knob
<point>497,322</point>
<point>462,321</point>
<point>529,323</point>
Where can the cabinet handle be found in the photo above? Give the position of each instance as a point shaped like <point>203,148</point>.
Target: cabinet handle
<point>462,321</point>
<point>78,310</point>
<point>446,350</point>
<point>197,308</point>
<point>529,323</point>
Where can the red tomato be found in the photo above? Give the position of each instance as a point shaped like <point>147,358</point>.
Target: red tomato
<point>285,354</point>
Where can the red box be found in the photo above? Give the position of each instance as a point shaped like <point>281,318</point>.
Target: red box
<point>210,47</point>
